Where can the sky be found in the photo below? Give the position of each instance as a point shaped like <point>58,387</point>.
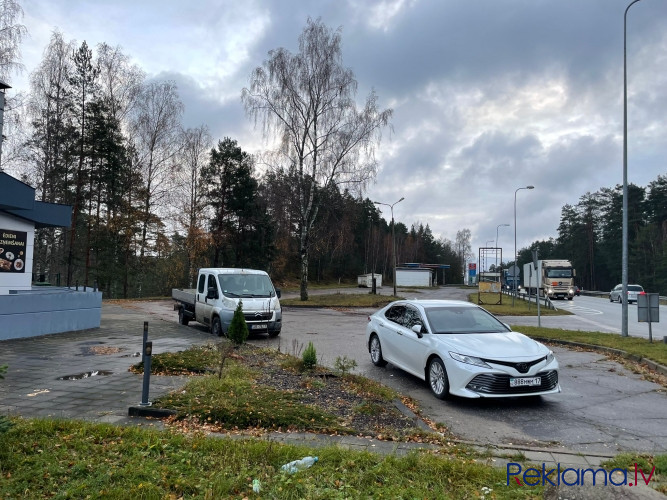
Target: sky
<point>489,96</point>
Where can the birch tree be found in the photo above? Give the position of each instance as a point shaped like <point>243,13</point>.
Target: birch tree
<point>307,101</point>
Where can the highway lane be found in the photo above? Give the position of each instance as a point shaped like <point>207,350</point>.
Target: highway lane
<point>605,316</point>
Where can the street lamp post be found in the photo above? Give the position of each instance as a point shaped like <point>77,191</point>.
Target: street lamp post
<point>393,234</point>
<point>516,267</point>
<point>497,227</point>
<point>624,257</point>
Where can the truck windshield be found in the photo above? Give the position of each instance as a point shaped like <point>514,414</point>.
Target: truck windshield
<point>559,273</point>
<point>246,285</point>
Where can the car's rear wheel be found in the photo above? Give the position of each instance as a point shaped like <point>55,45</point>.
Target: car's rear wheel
<point>182,317</point>
<point>620,300</point>
<point>376,351</point>
<point>437,378</point>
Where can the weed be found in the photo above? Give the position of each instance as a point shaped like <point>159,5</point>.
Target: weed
<point>344,364</point>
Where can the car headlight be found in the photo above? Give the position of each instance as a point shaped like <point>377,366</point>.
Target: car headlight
<point>276,306</point>
<point>550,357</point>
<point>470,360</point>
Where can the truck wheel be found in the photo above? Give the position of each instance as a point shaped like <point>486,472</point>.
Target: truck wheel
<point>216,327</point>
<point>182,318</point>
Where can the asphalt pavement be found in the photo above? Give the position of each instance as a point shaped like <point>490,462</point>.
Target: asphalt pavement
<point>84,375</point>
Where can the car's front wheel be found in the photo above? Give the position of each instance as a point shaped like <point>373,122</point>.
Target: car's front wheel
<point>376,351</point>
<point>437,378</point>
<point>216,327</point>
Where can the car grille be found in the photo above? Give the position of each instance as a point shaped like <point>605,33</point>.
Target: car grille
<point>497,383</point>
<point>522,367</point>
<point>258,316</point>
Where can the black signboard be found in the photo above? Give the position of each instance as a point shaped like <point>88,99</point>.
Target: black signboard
<point>12,251</point>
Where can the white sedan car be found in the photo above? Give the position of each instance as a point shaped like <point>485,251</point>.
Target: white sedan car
<point>459,348</point>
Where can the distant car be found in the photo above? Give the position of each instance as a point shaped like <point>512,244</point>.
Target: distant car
<point>577,291</point>
<point>633,291</point>
<point>461,349</point>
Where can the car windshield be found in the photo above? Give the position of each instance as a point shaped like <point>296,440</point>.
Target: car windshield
<point>246,285</point>
<point>462,320</point>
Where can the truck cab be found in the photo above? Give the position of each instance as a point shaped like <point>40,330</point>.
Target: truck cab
<point>218,293</point>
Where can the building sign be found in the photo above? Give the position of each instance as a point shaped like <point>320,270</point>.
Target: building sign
<point>12,251</point>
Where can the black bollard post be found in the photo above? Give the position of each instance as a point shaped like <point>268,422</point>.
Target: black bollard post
<point>143,344</point>
<point>148,352</point>
<point>77,285</point>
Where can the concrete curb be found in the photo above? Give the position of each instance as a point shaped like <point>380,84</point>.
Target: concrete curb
<point>618,352</point>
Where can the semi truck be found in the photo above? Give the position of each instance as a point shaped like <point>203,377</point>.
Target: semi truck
<point>218,293</point>
<point>554,278</point>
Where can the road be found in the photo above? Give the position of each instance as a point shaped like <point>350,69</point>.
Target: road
<point>603,315</point>
<point>603,408</point>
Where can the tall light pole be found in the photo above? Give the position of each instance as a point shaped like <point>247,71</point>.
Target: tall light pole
<point>393,234</point>
<point>497,227</point>
<point>516,266</point>
<point>624,257</point>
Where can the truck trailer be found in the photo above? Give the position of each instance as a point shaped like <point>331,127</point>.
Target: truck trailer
<point>554,278</point>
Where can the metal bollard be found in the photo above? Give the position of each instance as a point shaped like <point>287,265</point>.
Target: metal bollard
<point>664,340</point>
<point>95,286</point>
<point>77,285</point>
<point>143,344</point>
<point>148,352</point>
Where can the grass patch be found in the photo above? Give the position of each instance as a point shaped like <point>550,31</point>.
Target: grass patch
<point>236,401</point>
<point>194,360</point>
<point>342,300</point>
<point>656,351</point>
<point>70,459</point>
<point>267,389</point>
<point>644,462</point>
<point>520,308</point>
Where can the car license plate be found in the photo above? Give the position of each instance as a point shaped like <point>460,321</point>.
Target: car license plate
<point>258,327</point>
<point>525,382</point>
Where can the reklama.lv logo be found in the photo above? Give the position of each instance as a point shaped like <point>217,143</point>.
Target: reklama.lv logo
<point>575,477</point>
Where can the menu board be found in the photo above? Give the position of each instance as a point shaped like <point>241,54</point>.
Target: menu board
<point>12,251</point>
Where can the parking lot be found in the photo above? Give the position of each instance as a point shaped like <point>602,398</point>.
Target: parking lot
<point>604,408</point>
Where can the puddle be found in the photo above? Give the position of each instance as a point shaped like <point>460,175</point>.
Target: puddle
<point>79,376</point>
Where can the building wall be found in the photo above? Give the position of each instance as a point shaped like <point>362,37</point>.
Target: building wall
<point>18,281</point>
<point>47,310</point>
<point>413,277</point>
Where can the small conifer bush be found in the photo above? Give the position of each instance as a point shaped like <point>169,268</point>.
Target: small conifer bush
<point>238,329</point>
<point>309,356</point>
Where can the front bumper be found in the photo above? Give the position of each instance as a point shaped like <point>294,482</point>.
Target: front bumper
<point>471,381</point>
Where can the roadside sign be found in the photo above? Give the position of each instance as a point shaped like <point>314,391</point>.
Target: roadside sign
<point>648,310</point>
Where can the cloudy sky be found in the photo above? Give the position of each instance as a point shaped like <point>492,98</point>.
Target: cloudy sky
<point>488,95</point>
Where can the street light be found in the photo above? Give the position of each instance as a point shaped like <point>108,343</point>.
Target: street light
<point>499,226</point>
<point>516,267</point>
<point>624,257</point>
<point>393,235</point>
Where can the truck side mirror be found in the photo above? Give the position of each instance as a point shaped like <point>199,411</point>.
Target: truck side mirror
<point>278,292</point>
<point>212,293</point>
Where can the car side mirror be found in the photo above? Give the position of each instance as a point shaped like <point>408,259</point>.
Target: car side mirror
<point>278,292</point>
<point>212,293</point>
<point>417,329</point>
